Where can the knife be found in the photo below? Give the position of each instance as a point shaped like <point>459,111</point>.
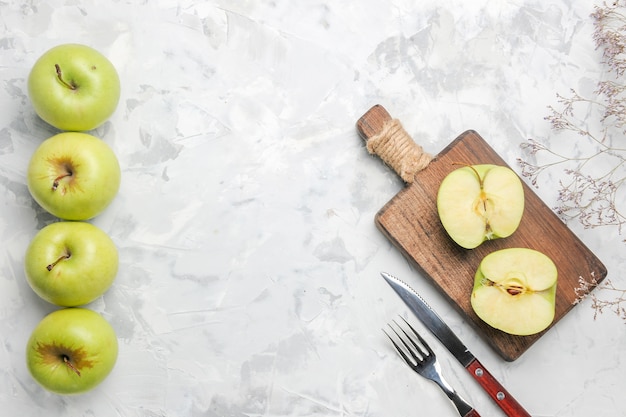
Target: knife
<point>440,329</point>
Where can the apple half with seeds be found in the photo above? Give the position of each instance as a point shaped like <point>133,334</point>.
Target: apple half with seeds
<point>71,350</point>
<point>480,202</point>
<point>515,291</point>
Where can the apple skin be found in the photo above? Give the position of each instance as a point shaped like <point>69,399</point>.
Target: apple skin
<point>71,351</point>
<point>481,202</point>
<point>515,291</point>
<point>88,94</point>
<point>73,175</point>
<point>71,263</point>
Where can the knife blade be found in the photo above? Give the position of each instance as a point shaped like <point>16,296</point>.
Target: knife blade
<point>446,336</point>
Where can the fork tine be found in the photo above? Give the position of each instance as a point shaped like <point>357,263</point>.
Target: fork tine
<point>417,349</point>
<point>404,339</point>
<point>429,351</point>
<point>400,351</point>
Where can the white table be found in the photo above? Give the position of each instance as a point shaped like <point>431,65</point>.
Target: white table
<point>249,280</point>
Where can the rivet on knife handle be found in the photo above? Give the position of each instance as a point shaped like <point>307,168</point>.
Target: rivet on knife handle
<point>496,391</point>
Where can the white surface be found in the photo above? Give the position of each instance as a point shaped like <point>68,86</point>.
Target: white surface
<point>249,281</point>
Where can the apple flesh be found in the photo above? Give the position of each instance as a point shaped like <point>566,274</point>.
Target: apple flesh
<point>515,291</point>
<point>71,263</point>
<point>73,87</point>
<point>480,202</point>
<point>71,351</point>
<point>73,175</point>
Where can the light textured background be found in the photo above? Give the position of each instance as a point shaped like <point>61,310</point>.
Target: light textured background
<point>249,278</point>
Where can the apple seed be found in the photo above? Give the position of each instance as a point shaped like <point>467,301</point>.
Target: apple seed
<point>515,290</point>
<point>512,289</point>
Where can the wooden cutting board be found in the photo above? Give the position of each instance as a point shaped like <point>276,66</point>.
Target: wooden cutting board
<point>411,223</point>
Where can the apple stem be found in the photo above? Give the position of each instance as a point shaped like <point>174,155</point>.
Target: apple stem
<point>57,180</point>
<point>480,181</point>
<point>60,77</point>
<point>483,199</point>
<point>69,364</point>
<point>53,264</point>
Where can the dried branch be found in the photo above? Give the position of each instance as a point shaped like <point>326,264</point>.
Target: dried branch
<point>593,161</point>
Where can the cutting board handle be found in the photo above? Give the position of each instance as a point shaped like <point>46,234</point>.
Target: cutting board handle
<point>384,136</point>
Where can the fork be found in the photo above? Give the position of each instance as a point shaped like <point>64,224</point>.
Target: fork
<point>422,359</point>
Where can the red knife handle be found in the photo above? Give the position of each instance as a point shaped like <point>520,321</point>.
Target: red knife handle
<point>496,391</point>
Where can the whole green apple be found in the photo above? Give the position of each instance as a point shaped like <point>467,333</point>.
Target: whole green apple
<point>74,87</point>
<point>71,263</point>
<point>71,351</point>
<point>73,175</point>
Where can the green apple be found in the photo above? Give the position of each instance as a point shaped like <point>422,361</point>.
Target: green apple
<point>515,291</point>
<point>73,175</point>
<point>71,351</point>
<point>74,87</point>
<point>480,202</point>
<point>71,263</point>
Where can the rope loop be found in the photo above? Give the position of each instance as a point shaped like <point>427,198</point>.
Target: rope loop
<point>398,150</point>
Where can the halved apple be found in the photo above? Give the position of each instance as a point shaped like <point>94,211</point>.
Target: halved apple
<point>515,291</point>
<point>480,202</point>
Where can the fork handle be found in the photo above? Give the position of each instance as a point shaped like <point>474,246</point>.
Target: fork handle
<point>496,391</point>
<point>464,409</point>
